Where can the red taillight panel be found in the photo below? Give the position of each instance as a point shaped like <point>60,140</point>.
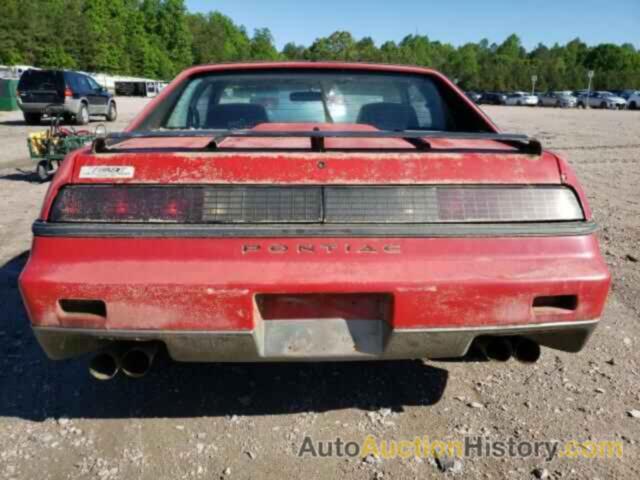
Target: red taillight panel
<point>118,204</point>
<point>314,204</point>
<point>68,92</point>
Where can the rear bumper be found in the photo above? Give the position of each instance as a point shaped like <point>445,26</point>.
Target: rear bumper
<point>313,340</point>
<point>423,297</point>
<point>69,106</point>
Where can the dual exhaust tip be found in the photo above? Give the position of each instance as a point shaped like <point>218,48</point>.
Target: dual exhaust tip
<point>501,349</point>
<point>133,360</point>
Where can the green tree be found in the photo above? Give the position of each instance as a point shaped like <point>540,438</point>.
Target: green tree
<point>366,50</point>
<point>174,35</point>
<point>337,46</point>
<point>217,39</point>
<point>465,66</point>
<point>12,47</point>
<point>142,53</point>
<point>99,53</point>
<point>291,51</point>
<point>262,47</point>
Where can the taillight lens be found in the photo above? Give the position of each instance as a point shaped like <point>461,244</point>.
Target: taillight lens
<point>450,204</point>
<point>68,92</point>
<point>507,204</point>
<point>315,204</point>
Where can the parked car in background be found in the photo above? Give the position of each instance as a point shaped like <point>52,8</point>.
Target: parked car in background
<point>521,98</point>
<point>633,102</point>
<point>75,95</point>
<point>474,96</point>
<point>493,98</point>
<point>602,99</point>
<point>626,94</point>
<point>562,99</point>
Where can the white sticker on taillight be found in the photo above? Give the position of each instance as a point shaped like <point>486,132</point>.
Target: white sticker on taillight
<point>106,171</point>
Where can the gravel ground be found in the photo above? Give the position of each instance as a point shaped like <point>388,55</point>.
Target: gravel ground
<point>249,421</point>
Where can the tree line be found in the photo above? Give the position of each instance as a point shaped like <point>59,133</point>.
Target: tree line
<point>159,38</point>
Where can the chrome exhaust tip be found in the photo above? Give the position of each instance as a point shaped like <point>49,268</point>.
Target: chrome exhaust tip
<point>527,351</point>
<point>137,361</point>
<point>105,365</point>
<point>497,349</point>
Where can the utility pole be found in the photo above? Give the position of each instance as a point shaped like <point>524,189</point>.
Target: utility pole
<point>534,79</point>
<point>590,74</point>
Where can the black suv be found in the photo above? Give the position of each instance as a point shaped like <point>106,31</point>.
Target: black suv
<point>75,95</point>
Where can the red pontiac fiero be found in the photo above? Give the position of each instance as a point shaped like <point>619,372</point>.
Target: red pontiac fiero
<point>312,211</point>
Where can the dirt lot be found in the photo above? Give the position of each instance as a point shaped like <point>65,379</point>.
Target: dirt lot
<point>249,421</point>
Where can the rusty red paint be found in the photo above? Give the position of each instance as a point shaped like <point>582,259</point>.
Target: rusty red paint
<point>209,284</point>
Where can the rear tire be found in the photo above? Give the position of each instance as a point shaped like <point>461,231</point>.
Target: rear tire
<point>633,106</point>
<point>603,105</point>
<point>112,112</point>
<point>32,118</point>
<point>82,117</point>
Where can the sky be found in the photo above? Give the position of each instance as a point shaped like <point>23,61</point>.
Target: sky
<point>451,21</point>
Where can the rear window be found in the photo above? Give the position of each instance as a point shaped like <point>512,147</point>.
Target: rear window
<point>41,80</point>
<point>387,101</point>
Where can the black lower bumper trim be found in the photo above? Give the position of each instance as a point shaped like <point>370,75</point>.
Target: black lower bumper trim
<point>291,340</point>
<point>156,230</point>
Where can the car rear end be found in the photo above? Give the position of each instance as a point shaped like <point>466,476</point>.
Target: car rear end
<point>38,89</point>
<point>618,102</point>
<point>567,101</point>
<point>530,100</point>
<point>314,241</point>
<point>46,91</point>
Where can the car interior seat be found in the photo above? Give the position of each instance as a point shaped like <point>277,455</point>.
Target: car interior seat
<point>235,115</point>
<point>388,116</point>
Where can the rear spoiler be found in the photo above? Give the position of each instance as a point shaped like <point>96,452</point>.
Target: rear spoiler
<point>419,139</point>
